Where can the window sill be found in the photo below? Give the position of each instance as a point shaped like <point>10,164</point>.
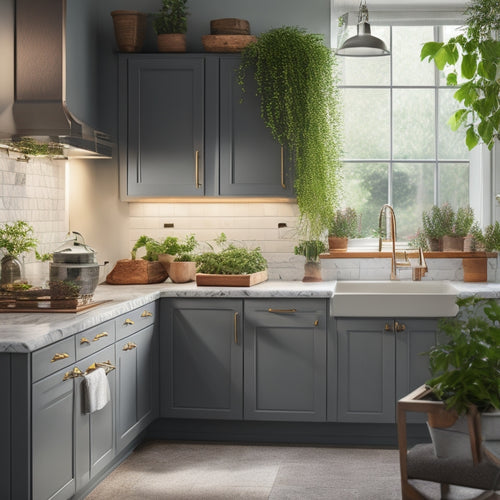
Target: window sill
<point>371,254</point>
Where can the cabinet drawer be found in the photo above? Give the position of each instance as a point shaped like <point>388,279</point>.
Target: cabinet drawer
<point>52,358</point>
<point>135,320</point>
<point>93,339</point>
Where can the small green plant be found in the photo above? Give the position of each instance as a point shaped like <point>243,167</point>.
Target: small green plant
<point>438,221</point>
<point>474,56</point>
<point>185,257</point>
<point>464,219</point>
<point>344,224</point>
<point>492,237</point>
<point>300,103</point>
<point>311,249</point>
<point>172,17</point>
<point>465,363</point>
<point>171,245</point>
<point>43,257</point>
<point>17,238</point>
<point>60,289</point>
<point>419,241</point>
<point>230,259</point>
<point>31,147</point>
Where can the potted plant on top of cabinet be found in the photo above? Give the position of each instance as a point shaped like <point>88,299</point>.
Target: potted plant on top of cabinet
<point>465,365</point>
<point>473,56</point>
<point>170,25</point>
<point>344,224</point>
<point>15,239</point>
<point>303,114</point>
<point>311,250</point>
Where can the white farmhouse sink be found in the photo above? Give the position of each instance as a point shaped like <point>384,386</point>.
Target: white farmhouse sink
<point>416,299</point>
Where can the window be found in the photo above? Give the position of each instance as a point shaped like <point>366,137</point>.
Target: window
<point>399,148</point>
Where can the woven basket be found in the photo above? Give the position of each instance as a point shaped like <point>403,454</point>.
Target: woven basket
<point>229,26</point>
<point>226,43</point>
<point>130,27</point>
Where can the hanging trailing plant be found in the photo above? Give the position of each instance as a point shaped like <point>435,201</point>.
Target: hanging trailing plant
<point>300,103</point>
<point>474,56</point>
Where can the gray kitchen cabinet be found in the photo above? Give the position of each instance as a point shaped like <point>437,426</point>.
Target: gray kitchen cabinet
<point>53,438</point>
<point>183,131</point>
<point>252,163</point>
<point>285,359</point>
<point>380,361</point>
<point>201,375</point>
<point>137,386</point>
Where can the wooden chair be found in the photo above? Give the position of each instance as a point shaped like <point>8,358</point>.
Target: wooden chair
<point>421,463</point>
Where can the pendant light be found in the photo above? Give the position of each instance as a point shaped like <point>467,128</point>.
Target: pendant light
<point>364,44</point>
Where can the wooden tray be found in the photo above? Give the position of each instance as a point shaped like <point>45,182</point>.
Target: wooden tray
<point>231,279</point>
<point>40,307</point>
<point>226,43</point>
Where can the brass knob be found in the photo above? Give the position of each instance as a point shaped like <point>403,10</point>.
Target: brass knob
<point>129,346</point>
<point>128,322</point>
<point>100,336</point>
<point>400,327</point>
<point>146,314</point>
<point>316,323</point>
<point>59,356</point>
<point>84,340</point>
<point>388,327</point>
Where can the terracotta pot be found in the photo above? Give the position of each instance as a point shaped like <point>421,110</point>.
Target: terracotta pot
<point>337,244</point>
<point>165,260</point>
<point>435,244</point>
<point>475,269</point>
<point>182,272</point>
<point>172,42</point>
<point>312,272</point>
<point>453,244</point>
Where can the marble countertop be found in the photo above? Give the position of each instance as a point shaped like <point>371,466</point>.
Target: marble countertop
<point>26,332</point>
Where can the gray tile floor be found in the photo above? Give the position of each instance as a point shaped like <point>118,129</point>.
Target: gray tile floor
<point>169,470</point>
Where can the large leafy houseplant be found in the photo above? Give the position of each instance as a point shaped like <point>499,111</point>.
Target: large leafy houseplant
<point>473,61</point>
<point>300,104</point>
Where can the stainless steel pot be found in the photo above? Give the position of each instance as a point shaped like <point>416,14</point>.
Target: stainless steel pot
<point>76,263</point>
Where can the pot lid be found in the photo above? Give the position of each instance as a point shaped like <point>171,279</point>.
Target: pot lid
<point>74,251</point>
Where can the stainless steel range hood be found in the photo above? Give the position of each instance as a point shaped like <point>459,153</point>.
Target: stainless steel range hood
<point>41,109</point>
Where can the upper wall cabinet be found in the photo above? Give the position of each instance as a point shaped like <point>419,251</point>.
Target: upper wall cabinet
<point>184,131</point>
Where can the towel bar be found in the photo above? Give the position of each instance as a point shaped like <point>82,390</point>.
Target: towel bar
<point>76,372</point>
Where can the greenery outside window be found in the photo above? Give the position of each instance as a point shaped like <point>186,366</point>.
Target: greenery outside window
<point>399,148</point>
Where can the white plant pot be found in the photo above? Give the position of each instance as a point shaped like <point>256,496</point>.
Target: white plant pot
<point>453,441</point>
<point>490,425</point>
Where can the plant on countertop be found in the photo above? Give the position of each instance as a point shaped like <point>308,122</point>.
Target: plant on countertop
<point>311,249</point>
<point>171,245</point>
<point>492,237</point>
<point>474,57</point>
<point>464,219</point>
<point>172,17</point>
<point>465,363</point>
<point>438,221</point>
<point>230,259</point>
<point>17,238</point>
<point>344,224</point>
<point>300,103</point>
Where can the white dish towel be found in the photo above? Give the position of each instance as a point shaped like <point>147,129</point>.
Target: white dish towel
<point>96,390</point>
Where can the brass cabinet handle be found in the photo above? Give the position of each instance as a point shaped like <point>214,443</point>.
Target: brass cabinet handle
<point>128,322</point>
<point>59,356</point>
<point>197,169</point>
<point>146,314</point>
<point>400,327</point>
<point>316,322</point>
<point>281,311</point>
<point>84,340</point>
<point>236,327</point>
<point>388,327</point>
<point>75,372</point>
<point>100,336</point>
<point>282,164</point>
<point>129,346</point>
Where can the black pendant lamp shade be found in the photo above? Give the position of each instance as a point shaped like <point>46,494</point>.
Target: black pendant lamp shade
<point>364,44</point>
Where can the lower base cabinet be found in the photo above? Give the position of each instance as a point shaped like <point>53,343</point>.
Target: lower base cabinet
<point>285,359</point>
<point>380,361</point>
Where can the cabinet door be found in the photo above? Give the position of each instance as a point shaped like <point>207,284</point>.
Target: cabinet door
<point>53,445</point>
<point>165,126</point>
<point>202,372</point>
<point>285,359</point>
<point>366,364</point>
<point>137,388</point>
<point>252,163</point>
<point>95,432</point>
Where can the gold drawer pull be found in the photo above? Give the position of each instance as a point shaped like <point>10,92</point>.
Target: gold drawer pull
<point>129,346</point>
<point>400,327</point>
<point>100,336</point>
<point>146,314</point>
<point>316,322</point>
<point>58,357</point>
<point>236,327</point>
<point>128,322</point>
<point>388,327</point>
<point>84,340</point>
<point>281,311</point>
<point>75,372</point>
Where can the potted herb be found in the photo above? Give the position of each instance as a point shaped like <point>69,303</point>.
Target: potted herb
<point>170,25</point>
<point>472,59</point>
<point>230,265</point>
<point>344,224</point>
<point>311,250</point>
<point>303,113</point>
<point>183,268</point>
<point>465,366</point>
<point>437,222</point>
<point>15,239</point>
